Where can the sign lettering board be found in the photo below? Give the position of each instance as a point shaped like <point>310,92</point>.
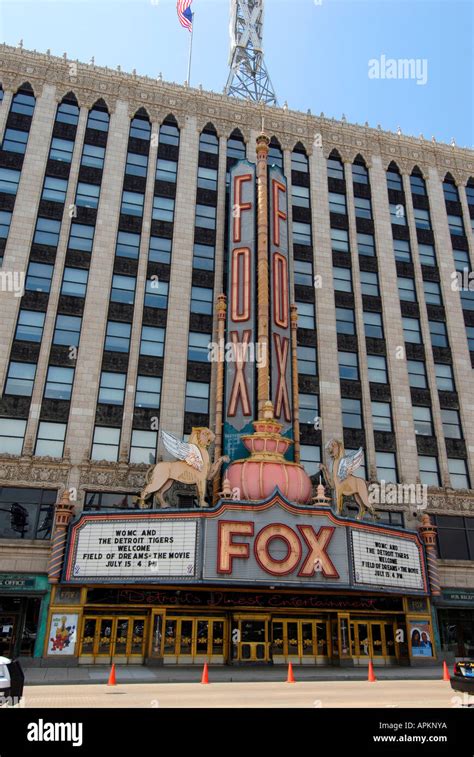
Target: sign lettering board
<point>131,549</point>
<point>386,560</point>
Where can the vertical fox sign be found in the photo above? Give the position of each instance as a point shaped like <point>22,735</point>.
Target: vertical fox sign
<point>280,301</point>
<point>240,352</point>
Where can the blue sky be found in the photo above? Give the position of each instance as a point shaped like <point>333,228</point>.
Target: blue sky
<point>317,52</point>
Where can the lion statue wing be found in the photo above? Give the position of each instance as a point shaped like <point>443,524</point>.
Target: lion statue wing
<point>190,453</point>
<point>350,463</point>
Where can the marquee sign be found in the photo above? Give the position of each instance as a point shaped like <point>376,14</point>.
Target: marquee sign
<point>386,561</point>
<point>280,299</point>
<point>105,548</point>
<point>240,409</point>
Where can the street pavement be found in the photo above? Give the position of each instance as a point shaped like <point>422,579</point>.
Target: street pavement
<point>306,694</point>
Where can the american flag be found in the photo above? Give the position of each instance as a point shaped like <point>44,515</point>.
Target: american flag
<point>185,14</point>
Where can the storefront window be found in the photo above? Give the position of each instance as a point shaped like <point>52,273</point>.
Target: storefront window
<point>457,631</point>
<point>26,513</point>
<point>455,537</point>
<point>217,637</point>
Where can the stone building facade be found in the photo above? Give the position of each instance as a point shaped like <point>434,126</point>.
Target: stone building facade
<point>113,207</point>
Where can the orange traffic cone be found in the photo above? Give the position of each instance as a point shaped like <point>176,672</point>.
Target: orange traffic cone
<point>205,674</point>
<point>445,672</point>
<point>112,681</point>
<point>371,677</point>
<point>291,678</point>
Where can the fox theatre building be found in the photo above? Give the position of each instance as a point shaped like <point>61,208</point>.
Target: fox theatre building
<point>242,582</point>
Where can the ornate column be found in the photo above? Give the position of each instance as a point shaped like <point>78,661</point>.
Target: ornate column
<point>428,534</point>
<point>294,382</point>
<point>221,308</point>
<point>263,378</point>
<point>63,514</point>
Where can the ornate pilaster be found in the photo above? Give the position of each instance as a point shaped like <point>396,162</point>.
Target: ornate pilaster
<point>294,381</point>
<point>221,308</point>
<point>428,534</point>
<point>63,514</point>
<point>263,380</point>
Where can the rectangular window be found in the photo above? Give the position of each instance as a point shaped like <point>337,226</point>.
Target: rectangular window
<point>159,250</point>
<point>105,445</point>
<point>311,458</point>
<point>345,323</point>
<point>68,330</point>
<point>348,366</point>
<point>394,181</point>
<point>61,149</point>
<point>152,341</point>
<point>377,369</point>
<point>339,240</point>
<point>50,439</point>
<point>74,282</point>
<point>5,221</point>
<point>335,169</point>
<point>456,225</point>
<point>459,478</point>
<point>467,299</point>
<point>422,218</point>
<point>140,128</point>
<point>197,397</point>
<point>9,180</point>
<point>198,347</point>
<point>15,141</point>
<point>386,466</point>
<point>300,196</point>
<point>461,260</point>
<point>132,204</point>
<point>363,207</point>
<point>209,143</point>
<point>411,330</point>
<point>342,278</point>
<point>359,174</point>
<point>93,156</point>
<point>299,162</point>
<point>166,170</point>
<point>398,214</point>
<point>20,379</point>
<point>369,283</point>
<point>337,203</point>
<point>81,237</point>
<point>306,315</point>
<point>470,194</point>
<point>118,336</point>
<point>417,184</point>
<point>201,300</point>
<point>451,424</point>
<point>417,374</point>
<point>203,257</point>
<point>406,289</point>
<point>302,233</point>
<point>444,378</point>
<point>382,416</point>
<point>59,383</point>
<point>205,217</point>
<point>30,326</point>
<point>98,119</point>
<point>429,471</point>
<point>54,189</point>
<point>148,392</point>
<point>366,244</point>
<point>351,413</point>
<point>207,178</point>
<point>156,294</point>
<point>163,209</point>
<point>47,232</point>
<point>455,537</point>
<point>112,388</point>
<point>128,245</point>
<point>136,164</point>
<point>309,408</point>
<point>169,135</point>
<point>12,433</point>
<point>303,270</point>
<point>87,195</point>
<point>438,333</point>
<point>373,325</point>
<point>427,254</point>
<point>38,277</point>
<point>307,361</point>
<point>143,447</point>
<point>423,421</point>
<point>401,250</point>
<point>123,289</point>
<point>432,293</point>
<point>450,192</point>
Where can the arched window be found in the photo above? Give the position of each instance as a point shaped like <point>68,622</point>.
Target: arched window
<point>335,166</point>
<point>275,155</point>
<point>169,132</point>
<point>417,182</point>
<point>208,141</point>
<point>68,110</point>
<point>450,189</point>
<point>360,175</point>
<point>236,146</point>
<point>394,179</point>
<point>99,117</point>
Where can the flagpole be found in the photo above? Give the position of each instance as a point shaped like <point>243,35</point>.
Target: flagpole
<point>191,50</point>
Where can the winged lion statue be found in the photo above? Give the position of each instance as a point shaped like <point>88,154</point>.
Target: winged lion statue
<point>192,466</point>
<point>340,477</point>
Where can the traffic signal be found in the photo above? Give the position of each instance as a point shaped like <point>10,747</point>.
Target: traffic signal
<point>19,518</point>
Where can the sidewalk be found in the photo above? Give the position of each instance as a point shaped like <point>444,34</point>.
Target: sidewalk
<point>91,674</point>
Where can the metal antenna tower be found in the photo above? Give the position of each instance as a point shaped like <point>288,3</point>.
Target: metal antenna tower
<point>248,76</point>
